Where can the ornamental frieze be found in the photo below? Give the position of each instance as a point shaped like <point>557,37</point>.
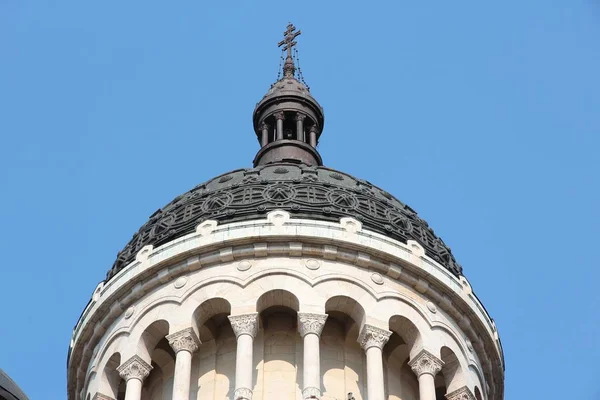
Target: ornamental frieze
<point>305,192</point>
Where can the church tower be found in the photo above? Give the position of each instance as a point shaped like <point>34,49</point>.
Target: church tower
<point>286,281</point>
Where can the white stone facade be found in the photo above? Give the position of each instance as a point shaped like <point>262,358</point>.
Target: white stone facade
<point>284,308</point>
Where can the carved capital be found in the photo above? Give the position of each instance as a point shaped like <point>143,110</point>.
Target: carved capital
<point>311,323</point>
<point>100,396</point>
<point>242,394</point>
<point>299,117</point>
<point>372,336</point>
<point>245,324</point>
<point>186,339</point>
<point>426,363</point>
<point>311,393</point>
<point>264,126</point>
<point>464,393</point>
<point>134,368</point>
<point>279,115</point>
<point>313,128</point>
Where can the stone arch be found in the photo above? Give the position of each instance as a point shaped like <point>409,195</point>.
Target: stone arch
<point>478,395</point>
<point>150,338</point>
<point>277,297</point>
<point>408,332</point>
<point>348,306</point>
<point>110,380</point>
<point>209,316</point>
<point>452,371</point>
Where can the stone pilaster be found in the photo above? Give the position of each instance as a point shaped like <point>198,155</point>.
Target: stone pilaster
<point>186,339</point>
<point>134,368</point>
<point>464,393</point>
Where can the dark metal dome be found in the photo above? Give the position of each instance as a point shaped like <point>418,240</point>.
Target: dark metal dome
<point>305,191</point>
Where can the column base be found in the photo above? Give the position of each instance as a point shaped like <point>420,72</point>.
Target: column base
<point>311,393</point>
<point>242,394</point>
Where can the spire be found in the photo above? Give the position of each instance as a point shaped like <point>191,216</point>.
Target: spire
<point>288,121</point>
<point>287,43</point>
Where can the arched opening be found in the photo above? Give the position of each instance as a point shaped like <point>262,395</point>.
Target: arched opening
<point>154,346</point>
<point>281,344</point>
<point>111,383</point>
<point>405,341</point>
<point>342,359</point>
<point>214,363</point>
<point>478,395</point>
<point>451,377</point>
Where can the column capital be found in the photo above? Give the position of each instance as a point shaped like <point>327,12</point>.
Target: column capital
<point>134,368</point>
<point>314,128</point>
<point>264,126</point>
<point>311,323</point>
<point>425,363</point>
<point>279,115</point>
<point>185,339</point>
<point>311,393</point>
<point>242,394</point>
<point>299,116</point>
<point>244,324</point>
<point>372,336</point>
<point>464,393</point>
<point>100,396</point>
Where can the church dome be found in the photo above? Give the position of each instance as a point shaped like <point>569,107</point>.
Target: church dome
<point>304,191</point>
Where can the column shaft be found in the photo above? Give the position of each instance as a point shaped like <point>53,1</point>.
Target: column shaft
<point>312,361</point>
<point>426,387</point>
<point>243,362</point>
<point>375,380</point>
<point>133,390</point>
<point>300,128</point>
<point>265,136</point>
<point>313,138</point>
<point>279,116</point>
<point>182,378</point>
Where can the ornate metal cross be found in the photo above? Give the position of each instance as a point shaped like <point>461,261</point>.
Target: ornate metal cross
<point>288,41</point>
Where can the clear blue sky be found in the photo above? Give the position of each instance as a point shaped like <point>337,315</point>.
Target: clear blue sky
<point>483,117</point>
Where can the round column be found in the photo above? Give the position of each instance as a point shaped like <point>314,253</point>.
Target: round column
<point>372,339</point>
<point>134,371</point>
<point>265,134</point>
<point>279,116</point>
<point>300,126</point>
<point>310,327</point>
<point>426,366</point>
<point>313,135</point>
<point>245,327</point>
<point>184,343</point>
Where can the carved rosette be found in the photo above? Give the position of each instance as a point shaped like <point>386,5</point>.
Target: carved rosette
<point>134,368</point>
<point>372,336</point>
<point>311,393</point>
<point>242,394</point>
<point>426,363</point>
<point>464,393</point>
<point>245,324</point>
<point>311,323</point>
<point>186,339</point>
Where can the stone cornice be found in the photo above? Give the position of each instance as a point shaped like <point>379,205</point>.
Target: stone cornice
<point>134,368</point>
<point>245,324</point>
<point>311,323</point>
<point>372,336</point>
<point>377,252</point>
<point>186,339</point>
<point>425,363</point>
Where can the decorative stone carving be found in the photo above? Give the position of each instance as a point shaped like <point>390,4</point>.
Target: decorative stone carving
<point>426,363</point>
<point>129,312</point>
<point>372,336</point>
<point>279,115</point>
<point>377,278</point>
<point>245,324</point>
<point>100,396</point>
<point>311,323</point>
<point>299,117</point>
<point>186,339</point>
<point>464,393</point>
<point>431,307</point>
<point>180,282</point>
<point>242,394</point>
<point>244,265</point>
<point>311,393</point>
<point>312,264</point>
<point>134,368</point>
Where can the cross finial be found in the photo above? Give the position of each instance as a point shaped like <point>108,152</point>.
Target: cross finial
<point>288,39</point>
<point>288,42</point>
